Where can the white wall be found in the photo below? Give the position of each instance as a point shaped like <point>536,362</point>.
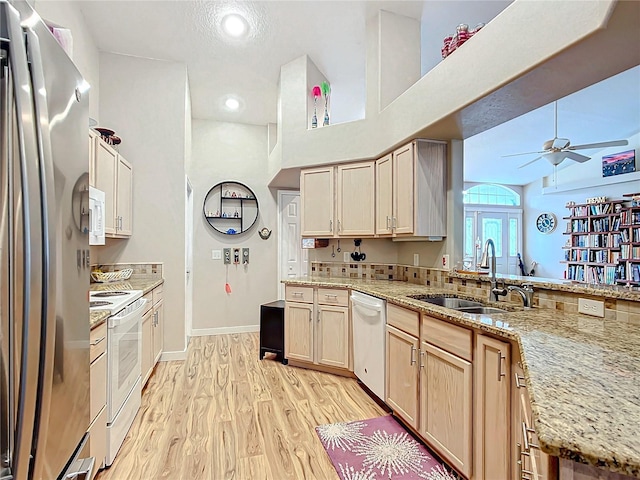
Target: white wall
<point>144,102</point>
<point>85,52</point>
<point>221,152</point>
<point>547,249</point>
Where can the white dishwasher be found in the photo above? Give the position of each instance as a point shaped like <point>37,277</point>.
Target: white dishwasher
<point>369,323</point>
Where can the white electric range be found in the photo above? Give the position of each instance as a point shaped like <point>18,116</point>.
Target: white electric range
<point>124,366</point>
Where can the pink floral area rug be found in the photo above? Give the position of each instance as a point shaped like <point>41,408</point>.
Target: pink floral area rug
<point>379,448</point>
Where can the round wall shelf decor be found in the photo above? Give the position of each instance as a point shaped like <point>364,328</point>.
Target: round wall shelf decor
<point>230,208</point>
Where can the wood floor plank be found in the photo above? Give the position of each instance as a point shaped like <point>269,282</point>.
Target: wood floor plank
<point>224,414</point>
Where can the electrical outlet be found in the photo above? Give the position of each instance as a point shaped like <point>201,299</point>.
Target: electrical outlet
<point>346,257</point>
<point>445,262</point>
<point>236,256</point>
<point>216,254</point>
<point>227,256</point>
<point>245,256</point>
<point>591,307</point>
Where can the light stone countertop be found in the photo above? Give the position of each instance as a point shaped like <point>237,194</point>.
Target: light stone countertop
<point>98,317</point>
<point>582,372</point>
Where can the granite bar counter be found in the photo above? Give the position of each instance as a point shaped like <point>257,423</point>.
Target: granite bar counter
<point>582,372</point>
<point>97,318</point>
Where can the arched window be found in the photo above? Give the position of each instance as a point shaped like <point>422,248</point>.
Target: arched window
<point>490,194</point>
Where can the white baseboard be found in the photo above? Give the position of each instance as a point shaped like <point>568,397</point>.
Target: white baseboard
<point>203,332</point>
<point>173,356</point>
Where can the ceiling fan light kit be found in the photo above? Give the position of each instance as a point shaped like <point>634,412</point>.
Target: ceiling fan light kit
<point>556,150</point>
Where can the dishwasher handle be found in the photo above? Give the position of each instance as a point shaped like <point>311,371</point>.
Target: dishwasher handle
<point>377,307</point>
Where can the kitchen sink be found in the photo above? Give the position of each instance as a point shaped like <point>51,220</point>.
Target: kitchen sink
<point>481,310</point>
<point>447,302</point>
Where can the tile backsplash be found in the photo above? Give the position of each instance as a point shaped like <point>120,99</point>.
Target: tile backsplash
<point>615,309</point>
<point>140,270</point>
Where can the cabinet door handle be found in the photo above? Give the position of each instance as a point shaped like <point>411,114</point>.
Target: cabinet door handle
<point>394,223</point>
<point>318,316</point>
<point>297,294</point>
<point>525,438</point>
<point>328,295</point>
<point>339,226</point>
<point>331,225</point>
<point>99,340</point>
<point>310,316</point>
<point>388,227</point>
<point>500,372</point>
<point>518,380</point>
<point>422,355</point>
<point>413,360</point>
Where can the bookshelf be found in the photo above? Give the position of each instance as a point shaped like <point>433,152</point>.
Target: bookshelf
<point>628,270</point>
<point>593,250</point>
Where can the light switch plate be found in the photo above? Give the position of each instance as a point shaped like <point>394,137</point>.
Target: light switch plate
<point>227,256</point>
<point>591,307</point>
<point>416,259</point>
<point>346,257</point>
<point>245,256</point>
<point>216,254</point>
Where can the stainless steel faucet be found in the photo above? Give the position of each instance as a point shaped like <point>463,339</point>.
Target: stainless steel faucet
<point>526,292</point>
<point>484,263</point>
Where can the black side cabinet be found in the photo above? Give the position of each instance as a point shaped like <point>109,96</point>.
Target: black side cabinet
<point>272,330</point>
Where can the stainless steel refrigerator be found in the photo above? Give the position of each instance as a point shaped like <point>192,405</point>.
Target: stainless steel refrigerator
<point>44,254</point>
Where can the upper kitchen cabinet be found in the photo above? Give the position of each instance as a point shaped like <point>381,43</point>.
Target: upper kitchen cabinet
<point>114,176</point>
<point>411,191</point>
<point>317,198</point>
<point>338,201</point>
<point>355,203</point>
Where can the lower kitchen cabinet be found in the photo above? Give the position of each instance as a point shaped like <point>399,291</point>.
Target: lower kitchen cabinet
<point>152,332</point>
<point>98,396</point>
<point>333,336</point>
<point>492,409</point>
<point>98,440</point>
<point>446,393</point>
<point>528,460</point>
<point>147,345</point>
<point>318,327</point>
<point>298,342</point>
<point>402,374</point>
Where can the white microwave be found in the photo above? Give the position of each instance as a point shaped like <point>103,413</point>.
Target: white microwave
<point>96,216</point>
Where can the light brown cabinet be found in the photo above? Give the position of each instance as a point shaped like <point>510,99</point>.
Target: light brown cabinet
<point>446,393</point>
<point>98,396</point>
<point>528,460</point>
<point>402,374</point>
<point>338,201</point>
<point>317,201</point>
<point>355,201</point>
<point>114,176</point>
<point>152,332</point>
<point>492,410</point>
<point>318,327</point>
<point>411,192</point>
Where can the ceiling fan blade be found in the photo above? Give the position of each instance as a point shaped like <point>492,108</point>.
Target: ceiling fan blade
<point>613,143</point>
<point>518,154</point>
<point>530,162</point>
<point>576,156</point>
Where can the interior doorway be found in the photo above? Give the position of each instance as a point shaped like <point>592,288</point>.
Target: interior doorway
<point>188,241</point>
<point>293,260</point>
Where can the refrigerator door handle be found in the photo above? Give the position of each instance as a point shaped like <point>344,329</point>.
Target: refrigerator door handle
<point>29,198</point>
<point>81,469</point>
<point>47,199</point>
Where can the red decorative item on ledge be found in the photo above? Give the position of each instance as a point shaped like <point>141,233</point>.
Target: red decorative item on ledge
<point>452,42</point>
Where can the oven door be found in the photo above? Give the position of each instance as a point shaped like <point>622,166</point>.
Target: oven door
<point>124,344</point>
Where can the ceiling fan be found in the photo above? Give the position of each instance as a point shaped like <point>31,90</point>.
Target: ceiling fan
<point>557,149</point>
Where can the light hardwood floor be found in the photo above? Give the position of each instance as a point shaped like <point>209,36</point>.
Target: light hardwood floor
<point>224,414</point>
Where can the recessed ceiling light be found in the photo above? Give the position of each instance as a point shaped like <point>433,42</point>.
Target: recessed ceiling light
<point>235,25</point>
<point>232,103</point>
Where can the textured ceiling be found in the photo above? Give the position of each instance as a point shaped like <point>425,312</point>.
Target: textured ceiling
<point>332,33</point>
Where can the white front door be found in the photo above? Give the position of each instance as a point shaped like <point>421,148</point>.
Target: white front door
<point>502,228</point>
<point>294,260</point>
